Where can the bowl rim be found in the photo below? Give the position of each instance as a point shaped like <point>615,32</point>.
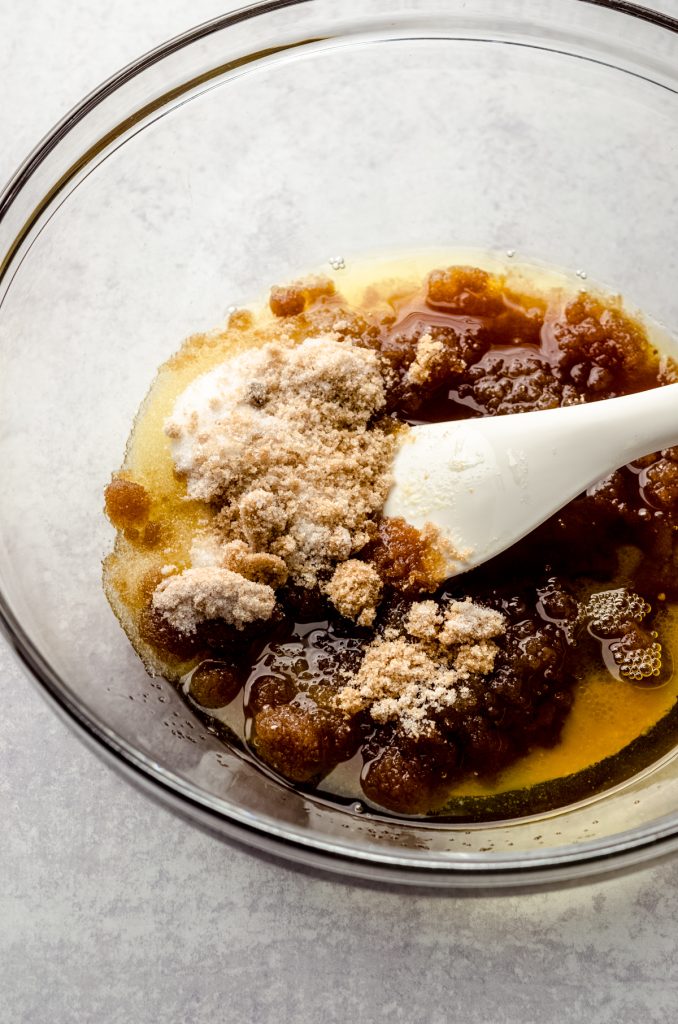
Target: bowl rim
<point>622,851</point>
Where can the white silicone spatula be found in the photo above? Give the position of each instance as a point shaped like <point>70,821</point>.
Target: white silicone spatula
<point>487,482</point>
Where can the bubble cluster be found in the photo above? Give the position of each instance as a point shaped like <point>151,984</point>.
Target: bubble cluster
<point>614,617</point>
<point>637,661</point>
<point>610,610</point>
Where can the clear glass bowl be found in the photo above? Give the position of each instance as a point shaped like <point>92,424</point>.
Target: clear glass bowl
<point>238,155</point>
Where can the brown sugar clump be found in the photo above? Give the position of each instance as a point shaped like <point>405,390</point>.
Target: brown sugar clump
<point>127,503</point>
<point>433,361</point>
<point>270,692</point>
<point>661,487</point>
<point>355,591</point>
<point>256,566</point>
<point>613,495</point>
<point>195,595</point>
<point>346,323</point>
<point>161,635</point>
<point>399,680</point>
<point>477,658</point>
<point>453,623</point>
<point>262,519</point>
<point>522,381</point>
<point>401,783</point>
<point>406,558</point>
<point>240,320</point>
<point>424,620</point>
<point>600,349</point>
<point>409,777</point>
<point>214,684</point>
<point>303,743</point>
<point>466,622</point>
<point>465,290</point>
<point>293,299</point>
<point>420,357</point>
<point>424,666</point>
<point>289,301</point>
<point>441,350</point>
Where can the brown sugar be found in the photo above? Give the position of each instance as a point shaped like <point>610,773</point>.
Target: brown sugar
<point>287,301</point>
<point>424,667</point>
<point>355,591</point>
<point>424,620</point>
<point>400,680</point>
<point>240,320</point>
<point>256,566</point>
<point>467,622</point>
<point>598,348</point>
<point>477,658</point>
<point>288,450</point>
<point>127,503</point>
<point>457,622</point>
<point>661,487</point>
<point>196,595</point>
<point>215,683</point>
<point>466,290</point>
<point>430,358</point>
<point>303,743</point>
<point>290,300</point>
<point>407,559</point>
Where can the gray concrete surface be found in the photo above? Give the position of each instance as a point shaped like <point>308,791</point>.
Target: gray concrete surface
<point>112,910</point>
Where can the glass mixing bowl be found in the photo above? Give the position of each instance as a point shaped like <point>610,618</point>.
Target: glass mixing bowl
<point>238,155</point>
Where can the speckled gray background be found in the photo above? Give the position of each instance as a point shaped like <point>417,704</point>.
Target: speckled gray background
<point>111,910</point>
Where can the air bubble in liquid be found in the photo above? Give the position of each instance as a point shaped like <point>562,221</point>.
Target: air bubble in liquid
<point>610,609</point>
